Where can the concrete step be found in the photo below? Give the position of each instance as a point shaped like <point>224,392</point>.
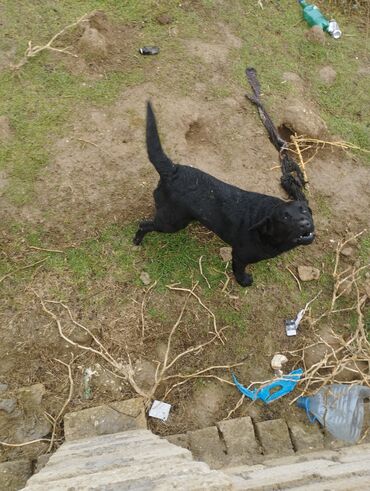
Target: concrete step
<point>320,470</point>
<point>135,460</point>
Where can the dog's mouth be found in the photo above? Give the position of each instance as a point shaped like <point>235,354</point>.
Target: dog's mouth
<point>306,238</point>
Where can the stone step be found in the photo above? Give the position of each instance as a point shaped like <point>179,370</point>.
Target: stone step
<point>299,471</point>
<point>352,483</point>
<point>65,468</point>
<point>143,475</point>
<point>106,419</point>
<point>136,446</point>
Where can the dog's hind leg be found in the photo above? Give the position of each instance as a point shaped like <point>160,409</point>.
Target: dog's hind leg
<point>166,221</point>
<point>244,279</point>
<point>144,228</point>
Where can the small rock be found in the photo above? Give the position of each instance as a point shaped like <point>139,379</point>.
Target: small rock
<point>301,119</point>
<point>225,254</point>
<point>316,35</point>
<point>3,387</point>
<point>164,19</point>
<point>93,42</point>
<point>145,278</point>
<point>308,273</point>
<point>26,421</point>
<point>14,475</point>
<point>8,405</point>
<point>5,129</point>
<point>347,251</point>
<point>41,462</point>
<point>327,75</point>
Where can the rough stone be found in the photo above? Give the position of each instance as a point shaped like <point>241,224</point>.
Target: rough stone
<point>14,475</point>
<point>274,437</point>
<point>93,42</point>
<point>347,251</point>
<point>225,254</point>
<point>240,441</point>
<point>206,445</point>
<point>300,118</point>
<point>7,405</point>
<point>327,74</point>
<point>308,273</point>
<point>305,438</point>
<point>316,35</point>
<point>181,440</point>
<point>145,278</point>
<point>22,416</point>
<point>106,419</point>
<point>41,462</point>
<point>5,129</point>
<point>105,381</point>
<point>164,19</point>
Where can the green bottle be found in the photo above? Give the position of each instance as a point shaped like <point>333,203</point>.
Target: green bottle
<point>314,17</point>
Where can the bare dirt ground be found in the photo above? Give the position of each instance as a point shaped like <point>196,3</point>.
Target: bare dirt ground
<point>100,176</point>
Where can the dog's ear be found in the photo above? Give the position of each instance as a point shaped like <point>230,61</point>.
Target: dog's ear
<point>263,225</point>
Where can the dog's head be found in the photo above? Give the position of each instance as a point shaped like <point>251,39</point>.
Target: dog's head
<point>289,223</point>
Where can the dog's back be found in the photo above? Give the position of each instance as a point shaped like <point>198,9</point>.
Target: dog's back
<point>219,206</point>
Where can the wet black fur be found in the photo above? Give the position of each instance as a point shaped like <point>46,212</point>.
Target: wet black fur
<point>257,226</point>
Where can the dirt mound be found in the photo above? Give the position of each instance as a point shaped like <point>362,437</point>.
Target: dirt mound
<point>101,45</point>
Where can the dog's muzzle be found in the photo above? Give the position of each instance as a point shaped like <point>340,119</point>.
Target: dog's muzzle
<point>305,239</point>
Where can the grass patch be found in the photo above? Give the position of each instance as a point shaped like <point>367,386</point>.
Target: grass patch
<point>285,48</point>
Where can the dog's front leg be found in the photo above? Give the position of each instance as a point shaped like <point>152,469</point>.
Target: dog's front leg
<point>244,279</point>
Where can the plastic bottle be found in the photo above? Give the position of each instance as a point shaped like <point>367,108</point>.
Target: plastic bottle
<point>314,17</point>
<point>339,408</point>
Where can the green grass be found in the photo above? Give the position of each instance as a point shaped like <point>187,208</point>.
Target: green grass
<point>285,48</point>
<point>44,96</point>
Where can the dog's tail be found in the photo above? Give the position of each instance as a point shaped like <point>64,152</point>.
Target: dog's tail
<point>164,166</point>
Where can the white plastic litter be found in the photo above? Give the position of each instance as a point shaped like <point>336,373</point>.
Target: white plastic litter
<point>160,410</point>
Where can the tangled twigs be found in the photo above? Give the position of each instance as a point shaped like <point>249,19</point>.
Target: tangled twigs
<point>67,401</point>
<point>344,355</point>
<point>300,140</point>
<point>7,275</point>
<point>237,406</point>
<point>126,371</point>
<point>32,51</point>
<point>191,292</point>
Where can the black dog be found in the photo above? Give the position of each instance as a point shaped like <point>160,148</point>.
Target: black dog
<point>257,226</point>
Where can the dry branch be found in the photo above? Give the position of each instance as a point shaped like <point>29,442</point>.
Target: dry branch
<point>67,401</point>
<point>126,371</point>
<point>347,355</point>
<point>32,51</point>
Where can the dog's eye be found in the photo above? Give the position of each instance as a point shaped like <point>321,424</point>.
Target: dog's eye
<point>286,216</point>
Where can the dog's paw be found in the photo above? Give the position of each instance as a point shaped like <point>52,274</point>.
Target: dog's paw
<point>245,280</point>
<point>137,239</point>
